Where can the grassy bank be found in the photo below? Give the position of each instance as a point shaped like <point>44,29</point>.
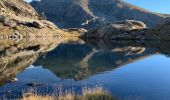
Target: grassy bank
<point>87,94</point>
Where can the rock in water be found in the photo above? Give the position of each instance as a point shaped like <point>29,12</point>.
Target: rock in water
<point>34,84</point>
<point>14,80</point>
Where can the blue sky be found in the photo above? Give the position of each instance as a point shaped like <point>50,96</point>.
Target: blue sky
<point>160,6</point>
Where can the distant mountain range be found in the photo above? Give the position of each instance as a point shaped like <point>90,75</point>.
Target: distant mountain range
<point>92,13</point>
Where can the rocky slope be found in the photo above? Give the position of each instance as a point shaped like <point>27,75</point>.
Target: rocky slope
<point>18,19</point>
<point>131,30</point>
<point>91,13</point>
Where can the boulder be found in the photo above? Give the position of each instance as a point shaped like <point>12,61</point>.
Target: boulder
<point>132,24</point>
<point>14,80</point>
<point>121,29</point>
<point>38,24</point>
<point>34,84</point>
<point>131,30</point>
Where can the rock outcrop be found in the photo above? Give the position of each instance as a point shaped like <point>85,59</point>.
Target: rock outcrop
<point>130,30</point>
<point>18,19</point>
<point>91,13</point>
<point>119,30</point>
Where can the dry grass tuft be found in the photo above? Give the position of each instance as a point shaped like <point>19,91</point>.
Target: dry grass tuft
<point>87,94</point>
<point>36,97</point>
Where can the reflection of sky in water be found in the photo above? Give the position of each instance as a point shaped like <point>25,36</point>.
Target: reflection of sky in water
<point>144,79</point>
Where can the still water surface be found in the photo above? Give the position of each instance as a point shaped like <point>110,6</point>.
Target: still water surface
<point>129,71</point>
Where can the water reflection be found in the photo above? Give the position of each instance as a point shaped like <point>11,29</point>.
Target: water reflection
<point>72,63</point>
<point>15,56</point>
<point>79,61</point>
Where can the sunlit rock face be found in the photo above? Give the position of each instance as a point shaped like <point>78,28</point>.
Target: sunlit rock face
<point>18,19</point>
<point>19,8</point>
<point>92,13</point>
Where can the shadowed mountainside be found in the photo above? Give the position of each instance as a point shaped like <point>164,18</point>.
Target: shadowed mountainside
<point>92,13</point>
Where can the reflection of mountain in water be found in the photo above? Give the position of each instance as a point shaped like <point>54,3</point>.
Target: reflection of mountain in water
<point>70,59</point>
<point>15,56</point>
<point>80,61</point>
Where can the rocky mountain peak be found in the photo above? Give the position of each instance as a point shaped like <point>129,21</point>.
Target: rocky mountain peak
<point>91,13</point>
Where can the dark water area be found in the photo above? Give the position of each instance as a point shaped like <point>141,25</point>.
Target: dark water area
<point>128,70</point>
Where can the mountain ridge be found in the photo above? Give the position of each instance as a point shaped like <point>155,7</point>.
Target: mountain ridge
<point>91,13</point>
